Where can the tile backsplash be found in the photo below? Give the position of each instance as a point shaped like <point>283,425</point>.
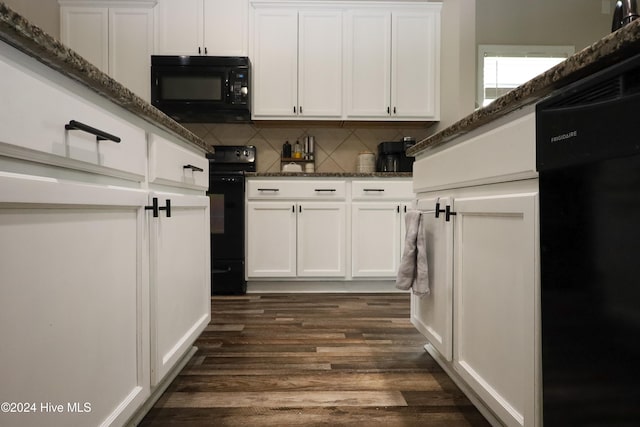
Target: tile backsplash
<point>337,148</point>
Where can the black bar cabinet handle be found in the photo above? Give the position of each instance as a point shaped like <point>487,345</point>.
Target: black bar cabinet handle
<point>166,208</point>
<point>193,168</point>
<point>448,213</point>
<point>373,189</point>
<point>269,189</point>
<point>325,189</point>
<point>100,135</point>
<point>153,207</point>
<point>438,210</point>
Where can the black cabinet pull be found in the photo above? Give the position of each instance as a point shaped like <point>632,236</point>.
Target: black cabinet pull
<point>394,110</point>
<point>275,190</point>
<point>373,189</point>
<point>438,210</point>
<point>293,208</point>
<point>294,109</point>
<point>100,135</point>
<point>448,213</point>
<point>300,109</point>
<point>205,51</point>
<point>388,110</point>
<point>325,190</point>
<point>193,168</point>
<point>153,207</point>
<point>398,208</point>
<point>199,50</point>
<point>166,208</point>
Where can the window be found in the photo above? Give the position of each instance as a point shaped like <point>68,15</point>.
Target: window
<point>505,67</point>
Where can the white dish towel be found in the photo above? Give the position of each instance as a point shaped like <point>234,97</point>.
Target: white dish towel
<point>413,272</point>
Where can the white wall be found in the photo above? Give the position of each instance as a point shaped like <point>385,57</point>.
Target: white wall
<point>43,13</point>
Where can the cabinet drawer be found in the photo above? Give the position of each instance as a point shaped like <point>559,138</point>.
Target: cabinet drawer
<point>382,190</point>
<point>33,116</point>
<point>171,164</point>
<point>289,189</point>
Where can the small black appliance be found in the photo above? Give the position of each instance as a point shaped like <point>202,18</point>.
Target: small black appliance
<point>392,156</point>
<point>227,168</point>
<point>202,89</point>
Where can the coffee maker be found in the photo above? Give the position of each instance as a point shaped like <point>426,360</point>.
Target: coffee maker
<point>392,156</point>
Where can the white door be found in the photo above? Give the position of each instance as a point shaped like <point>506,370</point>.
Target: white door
<point>85,30</point>
<point>494,304</point>
<point>432,314</point>
<point>320,64</point>
<point>130,48</point>
<point>226,27</point>
<point>179,27</point>
<point>368,63</point>
<point>321,248</point>
<point>415,64</point>
<point>271,239</point>
<point>275,63</point>
<point>180,286</point>
<point>375,245</point>
<point>73,312</point>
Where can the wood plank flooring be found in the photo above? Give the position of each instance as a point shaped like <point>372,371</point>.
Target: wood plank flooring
<point>312,359</point>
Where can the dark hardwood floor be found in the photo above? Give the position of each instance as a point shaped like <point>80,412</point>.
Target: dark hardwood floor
<point>312,359</point>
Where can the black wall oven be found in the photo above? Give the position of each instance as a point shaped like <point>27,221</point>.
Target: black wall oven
<point>588,158</point>
<point>202,89</point>
<point>227,169</point>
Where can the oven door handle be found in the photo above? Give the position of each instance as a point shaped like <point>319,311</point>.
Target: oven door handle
<point>193,168</point>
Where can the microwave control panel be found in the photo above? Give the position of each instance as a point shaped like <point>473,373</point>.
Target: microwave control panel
<point>239,87</point>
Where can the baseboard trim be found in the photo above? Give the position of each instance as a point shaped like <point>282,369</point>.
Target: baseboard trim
<point>385,286</point>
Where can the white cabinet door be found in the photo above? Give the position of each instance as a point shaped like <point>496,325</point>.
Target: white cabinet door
<point>432,314</point>
<point>321,242</point>
<point>226,27</point>
<point>130,48</point>
<point>375,244</point>
<point>85,30</point>
<point>179,27</point>
<point>415,65</point>
<point>320,64</point>
<point>180,286</point>
<point>271,239</point>
<point>494,316</point>
<point>73,300</point>
<point>368,66</point>
<point>275,63</point>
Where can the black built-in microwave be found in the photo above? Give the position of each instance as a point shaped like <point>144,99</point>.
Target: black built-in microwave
<point>202,89</point>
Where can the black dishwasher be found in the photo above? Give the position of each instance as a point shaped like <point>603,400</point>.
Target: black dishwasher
<point>588,158</point>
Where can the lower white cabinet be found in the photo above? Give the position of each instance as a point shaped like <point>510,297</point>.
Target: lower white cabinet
<point>432,314</point>
<point>480,315</point>
<point>179,277</point>
<point>377,238</point>
<point>288,239</point>
<point>73,301</point>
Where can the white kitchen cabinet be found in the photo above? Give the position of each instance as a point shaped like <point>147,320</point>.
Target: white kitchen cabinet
<point>378,226</point>
<point>376,241</point>
<point>321,245</point>
<point>202,27</point>
<point>41,136</point>
<point>179,277</point>
<point>271,239</point>
<point>73,301</point>
<point>297,63</point>
<point>118,39</point>
<point>494,288</point>
<point>393,63</point>
<point>289,239</point>
<point>489,251</point>
<point>432,314</point>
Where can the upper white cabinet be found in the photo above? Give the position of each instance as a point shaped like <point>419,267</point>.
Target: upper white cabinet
<point>393,63</point>
<point>202,27</point>
<point>297,63</point>
<point>115,37</point>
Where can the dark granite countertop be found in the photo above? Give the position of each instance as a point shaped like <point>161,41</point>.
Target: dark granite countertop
<point>30,39</point>
<point>329,174</point>
<point>610,50</point>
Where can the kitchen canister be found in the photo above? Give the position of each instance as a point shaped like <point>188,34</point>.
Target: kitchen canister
<point>366,162</point>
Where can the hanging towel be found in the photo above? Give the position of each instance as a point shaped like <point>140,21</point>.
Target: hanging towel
<point>413,272</point>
